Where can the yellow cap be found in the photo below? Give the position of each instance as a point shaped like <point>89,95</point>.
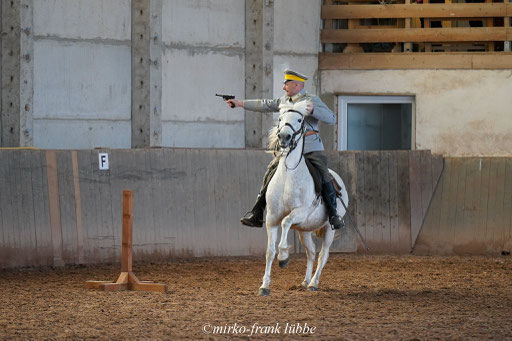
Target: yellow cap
<point>290,75</point>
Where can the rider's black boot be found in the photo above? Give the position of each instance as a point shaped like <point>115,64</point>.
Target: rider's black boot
<point>254,217</point>
<point>329,195</point>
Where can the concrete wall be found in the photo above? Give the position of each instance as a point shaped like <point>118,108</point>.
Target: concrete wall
<point>203,55</point>
<point>458,112</point>
<point>139,73</point>
<point>297,41</point>
<point>81,73</point>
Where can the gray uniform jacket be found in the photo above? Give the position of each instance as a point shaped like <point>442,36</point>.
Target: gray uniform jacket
<point>321,112</point>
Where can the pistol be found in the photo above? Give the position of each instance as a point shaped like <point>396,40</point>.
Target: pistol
<point>226,98</point>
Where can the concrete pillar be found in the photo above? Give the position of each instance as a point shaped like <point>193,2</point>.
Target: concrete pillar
<point>26,73</point>
<point>17,74</point>
<point>146,73</point>
<point>259,41</point>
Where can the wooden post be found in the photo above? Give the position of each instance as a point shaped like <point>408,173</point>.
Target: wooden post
<point>408,25</point>
<point>352,24</point>
<point>490,23</point>
<point>127,279</point>
<point>506,23</point>
<point>126,252</point>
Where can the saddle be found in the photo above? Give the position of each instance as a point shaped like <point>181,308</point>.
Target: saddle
<point>317,179</point>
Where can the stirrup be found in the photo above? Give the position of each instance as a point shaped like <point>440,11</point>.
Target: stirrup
<point>250,219</point>
<point>336,222</point>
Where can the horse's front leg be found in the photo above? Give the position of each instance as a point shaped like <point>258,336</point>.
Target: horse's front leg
<point>296,216</point>
<point>271,253</point>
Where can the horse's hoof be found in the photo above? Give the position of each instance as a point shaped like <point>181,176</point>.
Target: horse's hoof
<point>312,288</point>
<point>284,263</point>
<point>264,292</point>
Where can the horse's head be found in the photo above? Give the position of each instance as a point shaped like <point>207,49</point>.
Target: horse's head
<point>290,127</point>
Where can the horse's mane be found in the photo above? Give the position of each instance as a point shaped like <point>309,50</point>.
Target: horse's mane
<point>284,107</point>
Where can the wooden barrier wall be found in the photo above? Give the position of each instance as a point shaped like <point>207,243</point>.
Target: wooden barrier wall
<point>390,192</point>
<point>471,211</point>
<point>57,207</point>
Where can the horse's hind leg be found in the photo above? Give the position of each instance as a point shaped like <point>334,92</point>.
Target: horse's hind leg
<point>271,253</point>
<point>296,216</point>
<point>322,257</point>
<point>309,245</point>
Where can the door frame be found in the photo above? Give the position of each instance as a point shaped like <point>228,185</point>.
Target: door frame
<point>344,101</point>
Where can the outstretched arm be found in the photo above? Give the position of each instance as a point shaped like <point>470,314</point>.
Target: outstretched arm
<point>260,105</point>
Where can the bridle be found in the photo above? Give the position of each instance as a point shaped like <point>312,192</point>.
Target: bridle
<point>293,143</point>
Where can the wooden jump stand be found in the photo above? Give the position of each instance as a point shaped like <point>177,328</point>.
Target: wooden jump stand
<point>127,279</point>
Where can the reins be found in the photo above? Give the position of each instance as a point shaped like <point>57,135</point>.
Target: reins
<point>294,142</point>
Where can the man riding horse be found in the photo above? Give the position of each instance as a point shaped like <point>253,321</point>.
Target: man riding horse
<point>313,146</point>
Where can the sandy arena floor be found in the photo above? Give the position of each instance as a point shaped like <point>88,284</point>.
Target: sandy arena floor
<point>360,297</point>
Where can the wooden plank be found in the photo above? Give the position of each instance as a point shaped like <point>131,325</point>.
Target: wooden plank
<point>448,22</point>
<point>53,196</point>
<point>439,189</point>
<point>103,206</point>
<point>188,206</point>
<point>448,227</point>
<point>89,223</point>
<point>495,205</point>
<point>439,35</point>
<point>126,250</point>
<point>328,24</point>
<point>394,183</point>
<point>41,210</point>
<point>352,48</point>
<point>348,173</point>
<point>384,200</point>
<point>459,205</point>
<point>506,24</point>
<point>371,191</point>
<point>238,164</point>
<point>427,238</point>
<point>67,206</point>
<point>78,208</point>
<point>415,174</point>
<point>11,216</point>
<point>507,207</point>
<point>437,169</point>
<point>144,234</point>
<point>219,164</point>
<point>163,176</point>
<point>361,199</point>
<point>387,61</point>
<point>404,203</point>
<point>28,243</point>
<point>17,207</point>
<point>468,231</point>
<point>426,187</point>
<point>483,199</point>
<point>99,241</point>
<point>459,10</point>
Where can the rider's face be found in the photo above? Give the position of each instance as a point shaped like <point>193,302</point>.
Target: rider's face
<point>291,88</point>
